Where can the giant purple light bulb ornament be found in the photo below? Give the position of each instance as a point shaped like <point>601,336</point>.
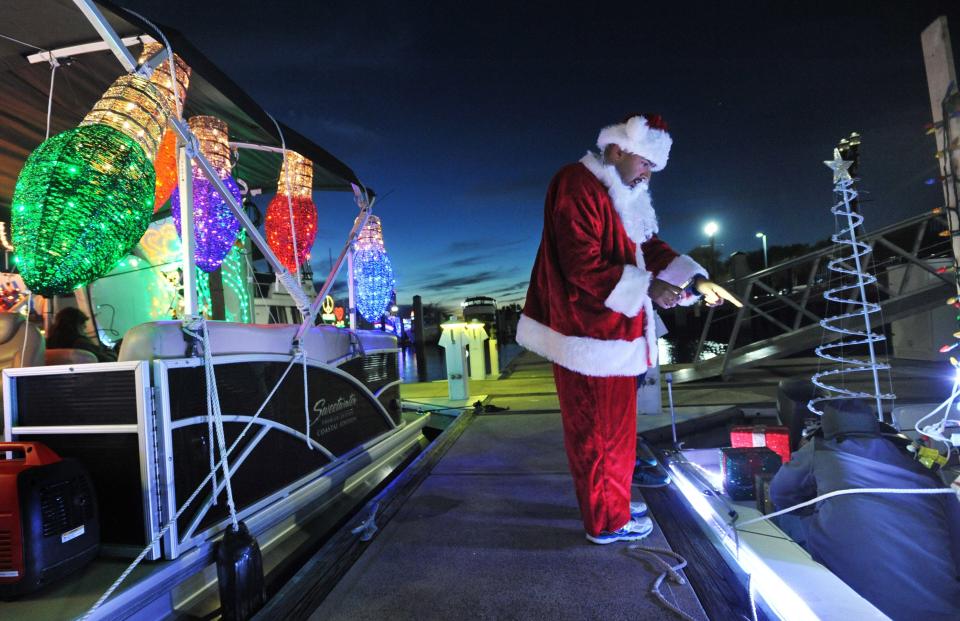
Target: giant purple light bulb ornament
<point>215,226</point>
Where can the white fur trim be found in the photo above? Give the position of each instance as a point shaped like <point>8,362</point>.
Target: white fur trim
<point>681,271</point>
<point>636,137</point>
<point>632,204</point>
<point>584,355</point>
<point>631,291</point>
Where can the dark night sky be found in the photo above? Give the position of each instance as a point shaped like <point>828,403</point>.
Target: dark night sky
<point>459,116</point>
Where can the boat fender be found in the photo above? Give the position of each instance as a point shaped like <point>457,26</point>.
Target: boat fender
<point>239,574</point>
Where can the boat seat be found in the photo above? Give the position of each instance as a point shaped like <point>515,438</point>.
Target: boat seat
<point>12,351</point>
<point>165,339</point>
<point>65,355</point>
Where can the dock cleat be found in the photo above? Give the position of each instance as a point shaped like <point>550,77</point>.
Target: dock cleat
<point>649,477</point>
<point>634,530</point>
<point>638,510</point>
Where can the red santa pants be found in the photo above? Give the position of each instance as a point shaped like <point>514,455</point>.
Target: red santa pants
<point>600,435</point>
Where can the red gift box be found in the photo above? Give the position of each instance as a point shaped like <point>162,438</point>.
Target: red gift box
<point>777,439</point>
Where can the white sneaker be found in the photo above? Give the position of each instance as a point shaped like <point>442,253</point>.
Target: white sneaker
<point>634,530</point>
<point>638,510</point>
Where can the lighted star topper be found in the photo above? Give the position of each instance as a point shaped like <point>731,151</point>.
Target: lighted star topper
<point>839,167</point>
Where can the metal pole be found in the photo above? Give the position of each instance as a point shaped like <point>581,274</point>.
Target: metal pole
<point>863,298</point>
<point>107,33</point>
<point>188,243</point>
<point>350,291</point>
<point>713,257</point>
<point>335,268</point>
<point>673,413</point>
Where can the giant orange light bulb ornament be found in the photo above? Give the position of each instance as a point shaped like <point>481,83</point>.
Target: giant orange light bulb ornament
<point>294,198</point>
<point>165,163</point>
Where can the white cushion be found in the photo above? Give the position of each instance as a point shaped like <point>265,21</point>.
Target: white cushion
<point>165,339</point>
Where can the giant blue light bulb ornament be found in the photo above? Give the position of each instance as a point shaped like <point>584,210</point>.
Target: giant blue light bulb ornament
<point>214,225</point>
<point>373,273</point>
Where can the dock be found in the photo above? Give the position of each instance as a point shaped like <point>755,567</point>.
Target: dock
<point>493,531</point>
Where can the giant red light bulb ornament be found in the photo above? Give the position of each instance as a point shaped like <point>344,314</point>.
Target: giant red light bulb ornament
<point>294,194</point>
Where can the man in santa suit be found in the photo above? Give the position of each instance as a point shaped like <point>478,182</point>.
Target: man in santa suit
<point>589,309</point>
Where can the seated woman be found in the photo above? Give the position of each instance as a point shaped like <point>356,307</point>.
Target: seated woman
<point>67,331</point>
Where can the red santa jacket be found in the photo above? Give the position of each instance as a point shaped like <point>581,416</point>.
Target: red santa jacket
<point>587,306</point>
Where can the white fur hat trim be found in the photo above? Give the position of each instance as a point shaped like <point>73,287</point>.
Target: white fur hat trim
<point>636,137</point>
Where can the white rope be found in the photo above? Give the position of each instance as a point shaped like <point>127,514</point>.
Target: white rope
<point>673,571</point>
<point>53,73</point>
<point>845,492</point>
<point>196,492</point>
<point>197,328</point>
<point>306,399</point>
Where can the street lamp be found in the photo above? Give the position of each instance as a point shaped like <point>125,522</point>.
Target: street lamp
<point>763,237</point>
<point>710,230</point>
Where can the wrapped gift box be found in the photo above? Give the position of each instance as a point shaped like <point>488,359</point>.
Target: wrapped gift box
<point>739,466</point>
<point>776,439</point>
<point>761,489</point>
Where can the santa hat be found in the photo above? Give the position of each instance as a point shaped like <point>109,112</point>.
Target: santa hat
<point>643,134</point>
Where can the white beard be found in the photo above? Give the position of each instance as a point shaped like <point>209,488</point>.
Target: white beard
<point>633,204</point>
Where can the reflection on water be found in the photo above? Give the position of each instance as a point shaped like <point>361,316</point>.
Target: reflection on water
<point>672,350</point>
<point>436,363</point>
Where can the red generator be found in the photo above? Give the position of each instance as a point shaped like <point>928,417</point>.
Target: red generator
<point>49,525</point>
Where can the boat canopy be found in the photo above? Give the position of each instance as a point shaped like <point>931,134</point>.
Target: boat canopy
<point>81,80</point>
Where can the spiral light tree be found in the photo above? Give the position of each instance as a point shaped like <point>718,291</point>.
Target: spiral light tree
<point>291,224</point>
<point>854,326</point>
<point>373,273</point>
<point>85,196</point>
<point>215,227</point>
<point>165,163</point>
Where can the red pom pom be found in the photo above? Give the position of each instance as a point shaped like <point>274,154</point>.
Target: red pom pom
<point>655,121</point>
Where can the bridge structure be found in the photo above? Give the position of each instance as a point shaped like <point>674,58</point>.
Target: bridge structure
<point>783,305</point>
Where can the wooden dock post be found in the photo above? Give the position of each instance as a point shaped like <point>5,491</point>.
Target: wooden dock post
<point>942,83</point>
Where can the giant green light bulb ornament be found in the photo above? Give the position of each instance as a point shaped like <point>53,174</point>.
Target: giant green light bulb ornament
<point>85,197</point>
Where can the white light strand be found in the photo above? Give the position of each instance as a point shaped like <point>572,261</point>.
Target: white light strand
<point>4,240</point>
<point>833,351</point>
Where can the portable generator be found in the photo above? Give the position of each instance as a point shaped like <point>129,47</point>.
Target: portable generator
<point>49,525</point>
